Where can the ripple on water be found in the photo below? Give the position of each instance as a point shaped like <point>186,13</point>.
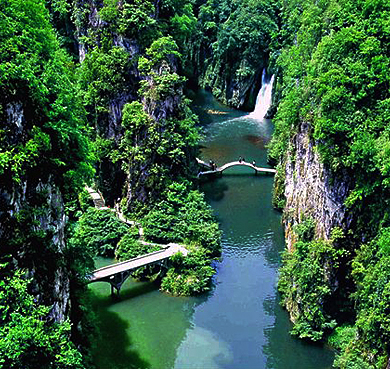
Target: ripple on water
<point>237,127</point>
<point>242,246</point>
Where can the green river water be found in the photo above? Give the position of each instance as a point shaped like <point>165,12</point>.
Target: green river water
<point>239,324</point>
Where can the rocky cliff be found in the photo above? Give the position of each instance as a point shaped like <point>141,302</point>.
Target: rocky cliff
<point>312,191</point>
<point>110,79</point>
<point>126,61</point>
<point>32,226</point>
<point>313,278</point>
<point>233,89</point>
<point>231,47</point>
<point>94,32</point>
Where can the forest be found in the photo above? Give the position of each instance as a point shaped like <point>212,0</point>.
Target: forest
<point>98,93</point>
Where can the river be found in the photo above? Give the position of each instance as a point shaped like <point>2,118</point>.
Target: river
<point>239,324</point>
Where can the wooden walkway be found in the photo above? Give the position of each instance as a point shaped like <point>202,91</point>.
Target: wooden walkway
<point>222,168</point>
<point>116,274</point>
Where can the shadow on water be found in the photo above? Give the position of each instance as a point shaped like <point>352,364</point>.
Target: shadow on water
<point>286,351</point>
<point>214,189</point>
<point>259,141</point>
<point>114,347</point>
<point>143,327</point>
<point>136,291</point>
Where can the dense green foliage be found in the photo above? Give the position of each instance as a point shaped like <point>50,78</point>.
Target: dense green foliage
<point>145,136</point>
<point>183,216</point>
<point>98,232</point>
<point>37,81</point>
<point>231,44</point>
<point>306,281</point>
<point>129,246</point>
<point>27,340</point>
<point>366,343</point>
<point>342,64</point>
<point>332,60</point>
<point>104,75</point>
<point>44,163</point>
<point>370,270</point>
<point>189,275</point>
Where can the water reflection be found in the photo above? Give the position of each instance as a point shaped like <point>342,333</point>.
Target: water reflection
<point>143,328</point>
<point>284,351</point>
<point>114,347</point>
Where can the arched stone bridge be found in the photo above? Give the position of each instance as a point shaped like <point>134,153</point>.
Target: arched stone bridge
<point>241,163</point>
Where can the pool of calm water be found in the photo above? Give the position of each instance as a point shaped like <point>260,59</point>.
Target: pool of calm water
<point>239,324</point>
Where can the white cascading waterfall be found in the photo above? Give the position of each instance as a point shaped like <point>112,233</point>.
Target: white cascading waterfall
<point>264,98</point>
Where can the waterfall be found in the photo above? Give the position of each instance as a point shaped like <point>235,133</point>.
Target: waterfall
<point>263,100</point>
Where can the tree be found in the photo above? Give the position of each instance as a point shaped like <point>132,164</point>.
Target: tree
<point>28,340</point>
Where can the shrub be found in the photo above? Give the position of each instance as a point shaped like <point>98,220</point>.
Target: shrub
<point>99,231</point>
<point>189,275</point>
<point>306,284</point>
<point>183,216</point>
<point>28,339</point>
<point>130,247</point>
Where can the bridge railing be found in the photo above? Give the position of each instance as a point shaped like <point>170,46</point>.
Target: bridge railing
<point>223,167</point>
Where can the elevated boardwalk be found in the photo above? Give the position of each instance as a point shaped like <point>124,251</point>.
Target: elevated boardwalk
<point>221,169</point>
<point>116,274</point>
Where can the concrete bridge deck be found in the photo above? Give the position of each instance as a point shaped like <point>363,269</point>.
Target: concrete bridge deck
<point>143,260</point>
<point>116,274</point>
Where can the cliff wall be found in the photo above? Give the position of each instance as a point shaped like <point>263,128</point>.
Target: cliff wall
<point>32,225</point>
<point>312,191</point>
<point>313,278</point>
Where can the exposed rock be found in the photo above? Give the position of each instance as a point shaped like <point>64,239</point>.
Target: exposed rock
<point>32,225</point>
<point>313,196</point>
<point>312,191</point>
<point>90,25</point>
<point>15,118</point>
<point>242,91</point>
<point>50,283</point>
<point>237,91</point>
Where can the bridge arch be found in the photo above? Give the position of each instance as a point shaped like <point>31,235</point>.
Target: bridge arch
<point>212,169</point>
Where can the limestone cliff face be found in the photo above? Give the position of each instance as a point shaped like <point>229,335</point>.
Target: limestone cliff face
<point>313,196</point>
<point>89,25</point>
<point>233,89</point>
<point>92,31</point>
<point>166,106</point>
<point>32,227</point>
<point>159,140</point>
<point>312,191</point>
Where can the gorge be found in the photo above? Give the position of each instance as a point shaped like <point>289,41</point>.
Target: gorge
<point>239,323</point>
<point>120,96</point>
